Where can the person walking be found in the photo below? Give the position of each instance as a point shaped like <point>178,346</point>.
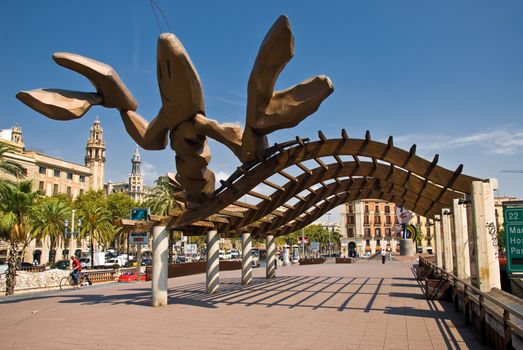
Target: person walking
<point>383,256</point>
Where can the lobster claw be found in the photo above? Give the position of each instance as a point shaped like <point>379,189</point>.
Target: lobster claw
<point>59,104</point>
<point>269,110</point>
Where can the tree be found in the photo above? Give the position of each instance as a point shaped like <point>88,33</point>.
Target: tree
<point>97,223</point>
<point>47,219</point>
<point>120,204</point>
<point>16,201</point>
<point>90,198</point>
<point>161,200</point>
<point>501,240</point>
<point>9,167</point>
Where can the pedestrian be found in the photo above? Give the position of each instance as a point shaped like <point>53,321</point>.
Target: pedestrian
<point>76,268</point>
<point>383,256</point>
<point>389,254</point>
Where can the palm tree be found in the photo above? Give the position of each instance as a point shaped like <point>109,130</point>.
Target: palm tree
<point>16,201</point>
<point>161,200</point>
<point>9,167</point>
<point>97,223</point>
<point>48,221</point>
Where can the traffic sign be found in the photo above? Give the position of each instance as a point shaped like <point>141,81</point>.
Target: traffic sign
<point>305,240</point>
<point>513,216</point>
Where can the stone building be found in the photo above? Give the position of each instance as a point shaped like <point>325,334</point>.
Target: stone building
<point>371,225</point>
<point>51,175</point>
<point>134,186</point>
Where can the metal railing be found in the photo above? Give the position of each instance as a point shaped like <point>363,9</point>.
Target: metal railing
<point>511,318</point>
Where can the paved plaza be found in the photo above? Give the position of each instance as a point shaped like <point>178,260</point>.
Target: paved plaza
<point>365,305</point>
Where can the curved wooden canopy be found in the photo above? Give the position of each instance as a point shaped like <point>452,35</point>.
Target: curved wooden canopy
<point>388,173</point>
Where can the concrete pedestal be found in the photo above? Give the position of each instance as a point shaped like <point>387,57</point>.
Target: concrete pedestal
<point>246,259</point>
<point>160,265</point>
<point>213,262</point>
<point>407,247</point>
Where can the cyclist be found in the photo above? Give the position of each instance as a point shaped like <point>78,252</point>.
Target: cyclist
<point>76,270</point>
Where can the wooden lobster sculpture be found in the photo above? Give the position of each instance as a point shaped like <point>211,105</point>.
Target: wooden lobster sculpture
<point>182,119</point>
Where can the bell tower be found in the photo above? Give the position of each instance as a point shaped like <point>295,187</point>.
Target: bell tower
<point>95,155</point>
<point>136,178</point>
<point>16,136</point>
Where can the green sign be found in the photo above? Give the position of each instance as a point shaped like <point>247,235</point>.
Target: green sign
<point>513,216</point>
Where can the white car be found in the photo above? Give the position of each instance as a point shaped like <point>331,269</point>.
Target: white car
<point>85,262</point>
<point>113,261</point>
<point>224,256</point>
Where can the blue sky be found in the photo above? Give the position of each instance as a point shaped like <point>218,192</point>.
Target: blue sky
<point>445,75</point>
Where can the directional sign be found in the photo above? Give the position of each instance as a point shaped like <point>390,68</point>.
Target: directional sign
<point>513,215</point>
<point>315,246</point>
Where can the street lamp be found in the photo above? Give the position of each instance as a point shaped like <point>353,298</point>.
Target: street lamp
<point>70,232</point>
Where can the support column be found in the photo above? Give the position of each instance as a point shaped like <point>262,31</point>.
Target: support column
<point>270,271</point>
<point>438,249</point>
<point>160,266</point>
<point>461,240</point>
<point>246,259</point>
<point>213,262</point>
<point>447,241</point>
<point>485,236</point>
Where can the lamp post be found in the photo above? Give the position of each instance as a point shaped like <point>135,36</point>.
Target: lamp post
<point>70,233</point>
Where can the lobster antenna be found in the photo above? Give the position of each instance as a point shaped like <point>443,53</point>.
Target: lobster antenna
<point>153,4</point>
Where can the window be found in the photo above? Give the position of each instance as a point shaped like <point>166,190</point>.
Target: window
<point>42,170</point>
<point>367,242</point>
<point>69,176</point>
<point>366,209</point>
<point>56,173</point>
<point>377,209</point>
<point>387,232</point>
<point>82,178</point>
<point>428,232</point>
<point>377,220</point>
<point>377,232</point>
<point>351,208</point>
<point>378,242</point>
<point>366,220</point>
<point>81,192</point>
<point>55,189</point>
<point>350,232</point>
<point>69,191</point>
<point>387,209</point>
<point>367,232</point>
<point>387,220</point>
<point>350,220</point>
<point>41,186</point>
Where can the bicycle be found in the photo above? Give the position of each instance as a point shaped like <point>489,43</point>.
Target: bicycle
<point>68,282</point>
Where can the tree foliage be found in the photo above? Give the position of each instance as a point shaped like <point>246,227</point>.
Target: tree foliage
<point>16,201</point>
<point>48,218</point>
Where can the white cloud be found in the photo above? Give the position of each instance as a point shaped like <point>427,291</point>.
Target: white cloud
<point>498,141</point>
<point>220,175</point>
<point>150,173</point>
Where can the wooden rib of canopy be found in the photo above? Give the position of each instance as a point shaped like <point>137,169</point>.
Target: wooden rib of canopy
<point>392,174</point>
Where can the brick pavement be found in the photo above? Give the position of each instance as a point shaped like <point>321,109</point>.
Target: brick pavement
<point>365,305</point>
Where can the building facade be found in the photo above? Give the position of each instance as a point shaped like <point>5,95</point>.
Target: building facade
<point>368,226</point>
<point>52,176</point>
